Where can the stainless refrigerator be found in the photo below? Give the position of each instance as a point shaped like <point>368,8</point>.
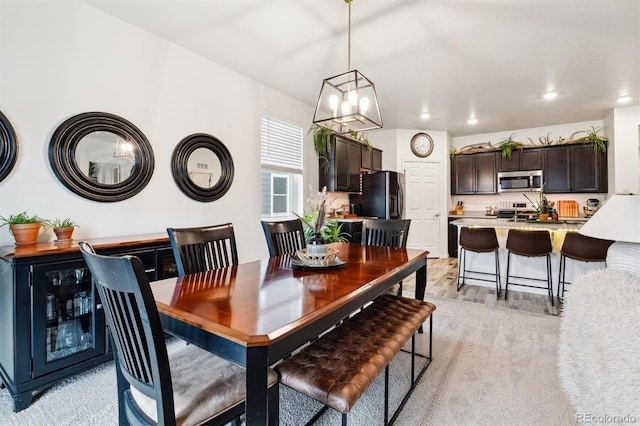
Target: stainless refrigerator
<point>382,195</point>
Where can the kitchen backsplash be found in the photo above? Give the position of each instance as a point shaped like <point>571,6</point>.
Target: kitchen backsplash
<point>479,203</point>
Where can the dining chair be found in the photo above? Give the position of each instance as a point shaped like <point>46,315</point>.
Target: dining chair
<point>284,237</point>
<point>385,232</point>
<point>188,386</point>
<point>203,248</point>
<point>389,233</point>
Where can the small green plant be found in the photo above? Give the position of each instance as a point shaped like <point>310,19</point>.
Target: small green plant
<point>63,223</point>
<point>331,232</point>
<point>592,135</point>
<point>321,143</point>
<point>541,205</point>
<point>362,138</point>
<point>508,145</point>
<point>21,219</point>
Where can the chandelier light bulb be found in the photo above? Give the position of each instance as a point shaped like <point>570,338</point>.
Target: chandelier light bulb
<point>345,108</point>
<point>353,97</point>
<point>333,102</point>
<point>364,105</point>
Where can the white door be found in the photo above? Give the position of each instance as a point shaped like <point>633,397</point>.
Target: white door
<point>422,205</point>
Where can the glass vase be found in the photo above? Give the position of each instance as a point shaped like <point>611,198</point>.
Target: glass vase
<point>317,244</point>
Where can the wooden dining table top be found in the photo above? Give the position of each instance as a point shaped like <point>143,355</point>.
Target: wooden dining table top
<point>260,302</point>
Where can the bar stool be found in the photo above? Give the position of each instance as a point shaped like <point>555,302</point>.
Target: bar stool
<point>581,248</point>
<point>478,240</point>
<point>529,244</point>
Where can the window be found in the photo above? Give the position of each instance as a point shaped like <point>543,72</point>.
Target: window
<point>281,159</point>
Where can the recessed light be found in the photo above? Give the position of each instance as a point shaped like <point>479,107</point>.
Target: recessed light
<point>425,115</point>
<point>624,99</point>
<point>472,121</point>
<point>550,95</point>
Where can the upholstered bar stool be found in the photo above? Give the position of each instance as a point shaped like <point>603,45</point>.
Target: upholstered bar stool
<point>581,248</point>
<point>478,240</point>
<point>529,244</point>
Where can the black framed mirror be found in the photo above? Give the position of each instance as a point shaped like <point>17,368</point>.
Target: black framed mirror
<point>101,156</point>
<point>202,167</point>
<point>8,147</point>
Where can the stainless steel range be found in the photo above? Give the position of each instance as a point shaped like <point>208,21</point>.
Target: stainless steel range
<point>512,209</point>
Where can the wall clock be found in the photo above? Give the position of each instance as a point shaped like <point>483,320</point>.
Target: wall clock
<point>421,145</point>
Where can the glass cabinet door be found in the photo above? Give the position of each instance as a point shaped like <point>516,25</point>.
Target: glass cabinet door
<point>68,323</point>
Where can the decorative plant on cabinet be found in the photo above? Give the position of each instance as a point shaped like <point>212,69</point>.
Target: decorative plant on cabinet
<point>24,227</point>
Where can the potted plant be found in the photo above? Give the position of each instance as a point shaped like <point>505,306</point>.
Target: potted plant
<point>592,135</point>
<point>541,206</point>
<point>63,228</point>
<point>508,145</point>
<point>322,142</point>
<point>24,227</point>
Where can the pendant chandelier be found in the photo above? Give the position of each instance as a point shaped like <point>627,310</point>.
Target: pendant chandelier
<point>348,102</point>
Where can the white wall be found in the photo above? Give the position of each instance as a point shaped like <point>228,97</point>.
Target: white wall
<point>626,155</point>
<point>63,58</point>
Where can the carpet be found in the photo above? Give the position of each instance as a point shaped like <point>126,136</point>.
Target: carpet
<point>491,366</point>
<point>599,345</point>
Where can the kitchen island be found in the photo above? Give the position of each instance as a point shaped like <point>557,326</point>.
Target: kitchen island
<point>522,266</point>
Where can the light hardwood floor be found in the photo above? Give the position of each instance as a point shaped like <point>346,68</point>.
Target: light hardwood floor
<point>442,275</point>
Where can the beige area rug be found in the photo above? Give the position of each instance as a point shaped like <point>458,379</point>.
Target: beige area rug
<point>491,367</point>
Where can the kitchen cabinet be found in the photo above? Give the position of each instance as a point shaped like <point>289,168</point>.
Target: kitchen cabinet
<point>51,319</point>
<point>575,168</point>
<point>353,229</point>
<point>371,158</point>
<point>521,159</point>
<point>474,173</point>
<point>452,233</point>
<point>343,170</point>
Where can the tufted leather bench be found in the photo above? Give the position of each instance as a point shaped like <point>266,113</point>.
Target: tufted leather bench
<point>337,368</point>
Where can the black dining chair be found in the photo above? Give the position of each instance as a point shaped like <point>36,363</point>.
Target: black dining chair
<point>203,248</point>
<point>388,233</point>
<point>385,232</point>
<point>284,237</point>
<point>188,386</point>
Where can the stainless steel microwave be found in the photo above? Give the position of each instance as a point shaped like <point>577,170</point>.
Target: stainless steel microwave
<point>520,181</point>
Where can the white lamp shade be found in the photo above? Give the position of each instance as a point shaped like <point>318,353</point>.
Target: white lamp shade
<point>618,219</point>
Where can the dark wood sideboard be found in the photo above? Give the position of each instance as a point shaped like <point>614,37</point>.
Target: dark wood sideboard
<point>51,319</point>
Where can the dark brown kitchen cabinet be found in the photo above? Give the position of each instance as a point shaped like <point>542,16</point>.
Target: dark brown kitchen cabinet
<point>51,319</point>
<point>556,171</point>
<point>376,159</point>
<point>575,168</point>
<point>353,229</point>
<point>371,158</point>
<point>474,173</point>
<point>588,169</point>
<point>521,159</point>
<point>342,172</point>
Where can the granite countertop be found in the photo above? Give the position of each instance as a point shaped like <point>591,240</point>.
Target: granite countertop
<point>571,225</point>
<point>474,214</point>
<point>352,219</point>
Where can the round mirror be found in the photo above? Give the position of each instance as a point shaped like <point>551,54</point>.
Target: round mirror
<point>8,147</point>
<point>101,156</point>
<point>202,167</point>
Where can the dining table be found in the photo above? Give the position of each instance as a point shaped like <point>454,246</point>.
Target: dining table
<point>258,312</point>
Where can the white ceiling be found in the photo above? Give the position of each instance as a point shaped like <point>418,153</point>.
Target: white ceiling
<point>453,58</point>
